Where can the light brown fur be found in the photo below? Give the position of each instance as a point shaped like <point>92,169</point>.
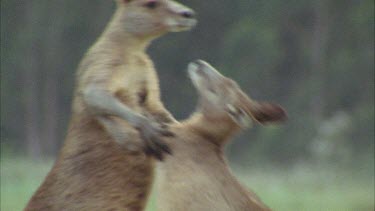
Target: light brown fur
<point>101,165</point>
<point>198,177</point>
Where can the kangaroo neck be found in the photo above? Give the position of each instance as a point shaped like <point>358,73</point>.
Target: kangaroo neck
<point>214,128</point>
<point>116,36</point>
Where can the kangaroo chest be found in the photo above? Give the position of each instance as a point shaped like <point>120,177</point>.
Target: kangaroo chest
<point>131,85</point>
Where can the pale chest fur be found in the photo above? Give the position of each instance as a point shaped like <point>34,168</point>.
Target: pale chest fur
<point>186,182</point>
<point>129,79</point>
<point>197,178</point>
<point>130,84</point>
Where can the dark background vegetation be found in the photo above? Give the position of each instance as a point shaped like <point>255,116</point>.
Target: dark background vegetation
<point>316,58</point>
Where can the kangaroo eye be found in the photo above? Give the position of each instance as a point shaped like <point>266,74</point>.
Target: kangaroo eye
<point>212,90</point>
<point>151,4</point>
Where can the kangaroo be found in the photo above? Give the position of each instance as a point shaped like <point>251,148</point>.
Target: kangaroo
<point>197,177</point>
<point>116,115</point>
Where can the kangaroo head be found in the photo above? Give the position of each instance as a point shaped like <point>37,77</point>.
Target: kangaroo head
<point>154,17</point>
<point>222,95</point>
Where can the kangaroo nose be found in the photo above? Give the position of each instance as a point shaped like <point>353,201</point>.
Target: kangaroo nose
<point>188,14</point>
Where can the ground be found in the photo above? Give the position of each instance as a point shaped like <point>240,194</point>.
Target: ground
<point>301,188</point>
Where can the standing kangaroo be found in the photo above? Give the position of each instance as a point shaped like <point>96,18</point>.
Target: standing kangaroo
<point>117,113</point>
<point>197,177</point>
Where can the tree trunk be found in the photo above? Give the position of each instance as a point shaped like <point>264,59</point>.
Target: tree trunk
<point>318,58</point>
<point>54,63</point>
<point>31,68</point>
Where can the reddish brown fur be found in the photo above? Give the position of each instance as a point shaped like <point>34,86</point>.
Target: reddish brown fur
<point>93,172</point>
<point>96,174</point>
<point>197,177</point>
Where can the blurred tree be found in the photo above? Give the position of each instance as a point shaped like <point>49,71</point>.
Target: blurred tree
<point>31,64</point>
<point>316,58</point>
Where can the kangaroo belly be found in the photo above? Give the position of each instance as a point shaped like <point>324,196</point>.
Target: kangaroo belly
<point>94,173</point>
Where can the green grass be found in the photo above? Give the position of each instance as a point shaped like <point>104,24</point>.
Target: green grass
<point>19,179</point>
<point>297,189</point>
<point>313,189</point>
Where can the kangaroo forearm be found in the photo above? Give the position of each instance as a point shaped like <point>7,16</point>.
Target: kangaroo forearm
<point>114,130</point>
<point>164,117</point>
<point>120,133</point>
<point>101,102</point>
<point>161,114</point>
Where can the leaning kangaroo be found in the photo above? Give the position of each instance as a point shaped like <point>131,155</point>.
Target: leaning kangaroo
<point>197,177</point>
<point>102,165</point>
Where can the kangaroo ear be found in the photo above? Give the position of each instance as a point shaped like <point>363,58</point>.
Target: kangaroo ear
<point>267,112</point>
<point>239,116</point>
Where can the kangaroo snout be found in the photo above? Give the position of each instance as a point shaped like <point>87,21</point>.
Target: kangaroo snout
<point>204,69</point>
<point>181,10</point>
<point>190,14</point>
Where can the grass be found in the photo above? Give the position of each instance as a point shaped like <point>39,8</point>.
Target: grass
<point>313,189</point>
<point>303,188</point>
<point>19,179</point>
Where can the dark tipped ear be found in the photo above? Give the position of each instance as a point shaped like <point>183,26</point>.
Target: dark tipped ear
<point>264,112</point>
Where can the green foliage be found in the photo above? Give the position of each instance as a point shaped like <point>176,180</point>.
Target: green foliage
<point>269,47</point>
